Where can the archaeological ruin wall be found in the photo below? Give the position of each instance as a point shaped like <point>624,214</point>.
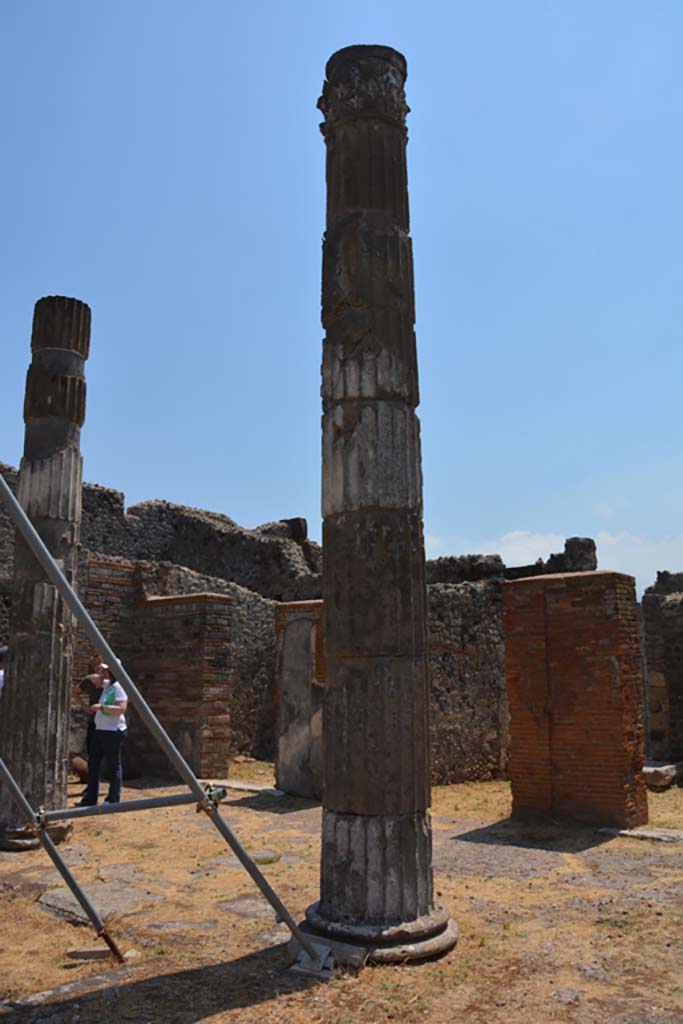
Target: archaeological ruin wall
<point>276,560</point>
<point>574,681</point>
<point>468,701</point>
<point>121,563</point>
<point>185,638</point>
<point>663,637</point>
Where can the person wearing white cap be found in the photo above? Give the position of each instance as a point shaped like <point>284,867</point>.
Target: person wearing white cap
<point>107,740</point>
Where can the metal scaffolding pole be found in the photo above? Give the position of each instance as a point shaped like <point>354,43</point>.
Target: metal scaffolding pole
<point>32,821</point>
<point>177,800</point>
<point>316,953</point>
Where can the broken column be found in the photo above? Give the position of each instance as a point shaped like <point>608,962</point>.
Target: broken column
<point>376,870</point>
<point>34,718</point>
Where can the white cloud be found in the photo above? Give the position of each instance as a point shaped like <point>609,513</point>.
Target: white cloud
<point>518,547</point>
<point>639,556</point>
<point>625,552</point>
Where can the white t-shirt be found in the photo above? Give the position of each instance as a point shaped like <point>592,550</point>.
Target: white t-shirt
<point>105,720</point>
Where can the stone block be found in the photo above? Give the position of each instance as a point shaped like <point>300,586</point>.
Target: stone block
<point>370,354</point>
<point>374,590</point>
<point>367,169</point>
<point>377,711</point>
<point>371,458</point>
<point>367,264</point>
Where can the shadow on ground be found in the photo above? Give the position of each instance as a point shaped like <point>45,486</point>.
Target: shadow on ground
<point>184,997</point>
<point>555,838</point>
<point>272,804</point>
<point>255,801</point>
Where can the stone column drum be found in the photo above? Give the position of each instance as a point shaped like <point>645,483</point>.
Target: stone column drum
<point>34,713</point>
<point>376,870</point>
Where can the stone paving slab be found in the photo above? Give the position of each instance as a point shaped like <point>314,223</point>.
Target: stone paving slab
<point>662,835</point>
<point>105,897</point>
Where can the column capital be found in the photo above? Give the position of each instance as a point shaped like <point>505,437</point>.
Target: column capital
<point>364,82</point>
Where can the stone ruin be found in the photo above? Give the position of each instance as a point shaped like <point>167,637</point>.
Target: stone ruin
<point>34,723</point>
<point>663,636</point>
<point>575,676</point>
<point>232,626</point>
<point>156,549</point>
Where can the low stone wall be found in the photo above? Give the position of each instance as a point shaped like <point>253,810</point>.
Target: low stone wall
<point>300,687</point>
<point>120,595</point>
<point>663,636</point>
<point>268,560</point>
<point>469,708</point>
<point>574,680</point>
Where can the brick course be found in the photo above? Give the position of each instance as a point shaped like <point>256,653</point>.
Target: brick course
<point>574,680</point>
<point>203,660</point>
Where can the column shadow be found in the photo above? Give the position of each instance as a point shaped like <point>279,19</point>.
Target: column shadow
<point>555,836</point>
<point>182,997</point>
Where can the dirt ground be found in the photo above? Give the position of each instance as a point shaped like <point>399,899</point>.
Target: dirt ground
<point>557,923</point>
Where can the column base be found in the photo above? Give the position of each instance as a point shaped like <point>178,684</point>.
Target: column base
<point>18,839</point>
<point>430,935</point>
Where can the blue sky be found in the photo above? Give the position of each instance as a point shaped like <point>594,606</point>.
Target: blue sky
<point>162,161</point>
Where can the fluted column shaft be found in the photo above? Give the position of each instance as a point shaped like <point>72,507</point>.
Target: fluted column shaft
<point>376,874</point>
<point>34,709</point>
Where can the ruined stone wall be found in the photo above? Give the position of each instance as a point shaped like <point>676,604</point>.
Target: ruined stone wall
<point>270,560</point>
<point>181,656</point>
<point>469,707</point>
<point>300,682</point>
<point>574,679</point>
<point>114,590</point>
<point>663,635</point>
<point>579,555</point>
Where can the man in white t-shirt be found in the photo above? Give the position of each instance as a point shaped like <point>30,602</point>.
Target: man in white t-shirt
<point>107,740</point>
<point>3,659</point>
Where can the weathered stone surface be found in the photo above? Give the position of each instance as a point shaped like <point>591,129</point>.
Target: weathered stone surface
<point>373,584</point>
<point>469,706</point>
<point>579,555</point>
<point>299,767</point>
<point>464,568</point>
<point>378,868</point>
<point>376,729</point>
<point>107,897</point>
<point>376,872</point>
<point>360,362</point>
<point>371,457</point>
<point>34,724</point>
<point>367,264</point>
<point>662,609</point>
<point>662,776</point>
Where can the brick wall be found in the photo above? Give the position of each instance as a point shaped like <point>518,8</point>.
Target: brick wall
<point>227,645</point>
<point>574,680</point>
<point>181,659</point>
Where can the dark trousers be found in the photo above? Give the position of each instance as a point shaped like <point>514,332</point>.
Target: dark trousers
<point>89,735</point>
<point>105,745</point>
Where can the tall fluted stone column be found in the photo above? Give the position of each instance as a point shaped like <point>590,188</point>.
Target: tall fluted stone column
<point>34,708</point>
<point>376,870</point>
